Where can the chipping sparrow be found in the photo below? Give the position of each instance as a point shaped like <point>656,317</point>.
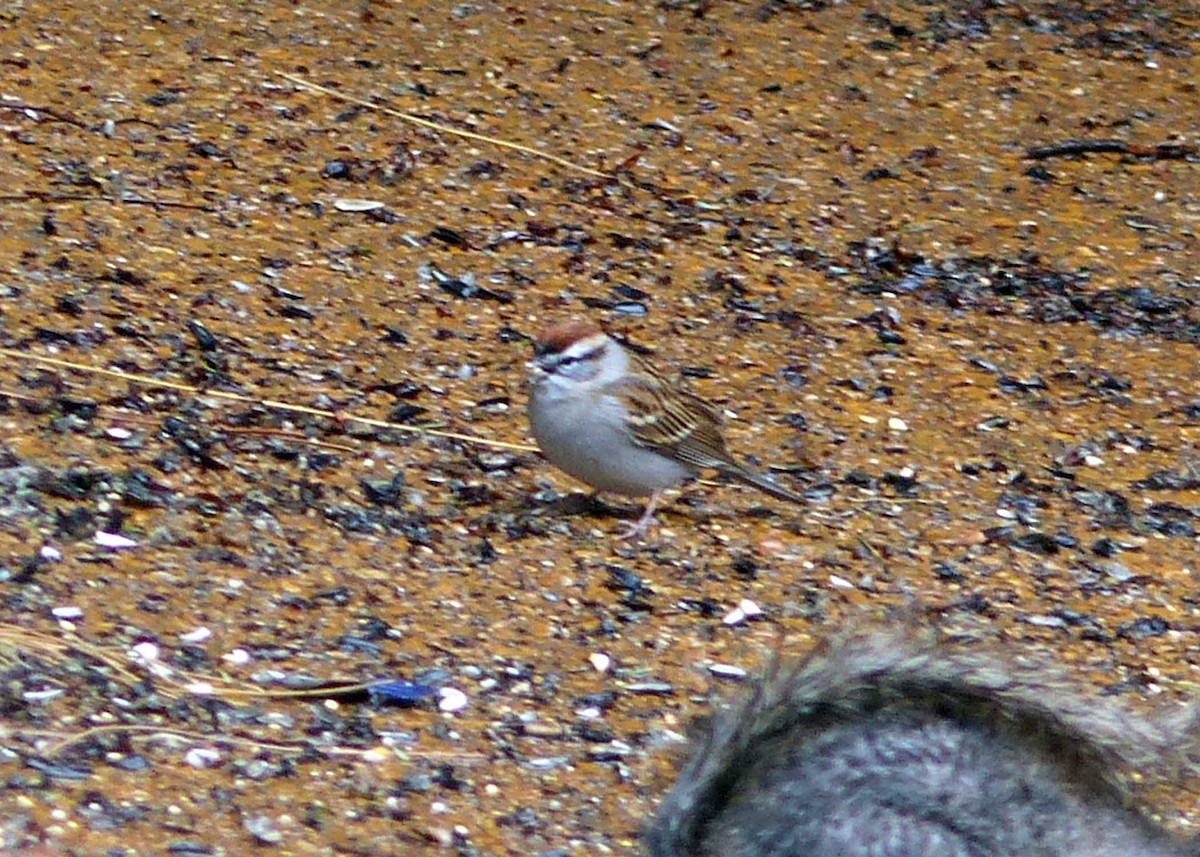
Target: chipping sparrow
<point>607,418</point>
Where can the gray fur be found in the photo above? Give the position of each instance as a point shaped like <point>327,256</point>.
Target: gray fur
<point>881,746</point>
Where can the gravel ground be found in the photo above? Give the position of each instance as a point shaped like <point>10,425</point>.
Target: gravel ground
<point>262,393</point>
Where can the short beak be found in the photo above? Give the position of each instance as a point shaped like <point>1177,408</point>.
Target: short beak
<point>535,371</point>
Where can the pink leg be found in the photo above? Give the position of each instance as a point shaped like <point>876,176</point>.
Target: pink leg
<point>639,529</point>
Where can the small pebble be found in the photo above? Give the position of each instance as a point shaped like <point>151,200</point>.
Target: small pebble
<point>735,616</point>
<point>600,661</point>
<point>263,829</point>
<point>651,688</point>
<point>726,671</point>
<point>771,546</point>
<point>145,652</point>
<point>1046,621</point>
<point>376,755</point>
<point>549,763</point>
<point>1118,571</point>
<point>451,699</point>
<point>202,757</point>
<point>897,424</point>
<point>746,609</point>
<point>543,730</point>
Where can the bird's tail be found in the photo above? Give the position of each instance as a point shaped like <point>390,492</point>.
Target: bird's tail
<point>763,483</point>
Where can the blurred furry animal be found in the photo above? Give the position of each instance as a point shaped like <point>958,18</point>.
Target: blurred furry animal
<point>882,746</point>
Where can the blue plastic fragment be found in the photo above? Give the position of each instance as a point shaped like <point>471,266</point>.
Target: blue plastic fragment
<point>398,692</point>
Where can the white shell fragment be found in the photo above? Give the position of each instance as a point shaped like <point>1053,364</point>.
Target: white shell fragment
<point>600,661</point>
<point>114,541</point>
<point>746,609</point>
<point>358,204</point>
<point>202,757</point>
<point>451,699</point>
<point>237,657</point>
<point>749,607</point>
<point>146,652</point>
<point>726,671</point>
<point>198,636</point>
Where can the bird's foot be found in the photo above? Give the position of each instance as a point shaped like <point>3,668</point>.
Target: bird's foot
<point>636,531</point>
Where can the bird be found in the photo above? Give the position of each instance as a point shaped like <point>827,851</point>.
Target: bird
<point>606,417</point>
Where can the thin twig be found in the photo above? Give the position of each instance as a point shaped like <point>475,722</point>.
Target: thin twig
<point>425,123</point>
<point>1160,151</point>
<point>20,397</point>
<point>190,735</point>
<point>24,640</point>
<point>147,421</point>
<point>28,195</point>
<point>172,683</point>
<point>53,114</point>
<point>266,403</point>
<point>283,434</point>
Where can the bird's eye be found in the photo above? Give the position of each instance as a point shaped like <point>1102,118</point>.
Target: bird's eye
<point>568,360</point>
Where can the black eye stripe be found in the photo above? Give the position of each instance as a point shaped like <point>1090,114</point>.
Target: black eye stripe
<point>568,359</point>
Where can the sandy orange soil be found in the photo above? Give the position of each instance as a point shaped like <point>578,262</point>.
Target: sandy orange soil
<point>980,369</point>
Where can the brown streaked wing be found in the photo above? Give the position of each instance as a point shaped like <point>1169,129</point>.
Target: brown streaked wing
<point>686,426</point>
